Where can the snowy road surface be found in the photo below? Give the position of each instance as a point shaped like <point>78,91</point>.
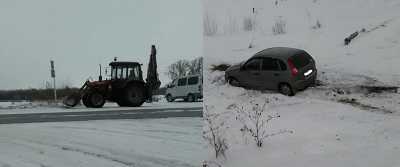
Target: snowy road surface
<point>101,115</point>
<point>171,142</point>
<point>43,107</point>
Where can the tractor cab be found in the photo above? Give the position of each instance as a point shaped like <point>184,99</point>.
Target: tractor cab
<point>126,71</point>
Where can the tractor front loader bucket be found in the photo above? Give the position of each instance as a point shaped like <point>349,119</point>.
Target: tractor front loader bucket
<point>73,99</point>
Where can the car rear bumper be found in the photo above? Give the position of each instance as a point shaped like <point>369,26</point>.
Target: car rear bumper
<point>303,84</point>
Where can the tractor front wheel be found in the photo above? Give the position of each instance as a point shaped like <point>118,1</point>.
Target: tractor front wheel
<point>86,101</point>
<point>97,100</point>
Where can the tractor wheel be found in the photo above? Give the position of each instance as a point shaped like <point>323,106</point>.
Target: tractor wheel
<point>121,103</point>
<point>169,98</point>
<point>86,101</point>
<point>96,100</point>
<point>134,95</point>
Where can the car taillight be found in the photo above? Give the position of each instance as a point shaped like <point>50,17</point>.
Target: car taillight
<point>293,69</point>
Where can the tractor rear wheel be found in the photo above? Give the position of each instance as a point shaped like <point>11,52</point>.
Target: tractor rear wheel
<point>121,103</point>
<point>134,95</point>
<point>96,99</point>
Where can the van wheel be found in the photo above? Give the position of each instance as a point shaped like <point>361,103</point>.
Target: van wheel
<point>286,89</point>
<point>233,81</point>
<point>169,98</point>
<point>191,98</point>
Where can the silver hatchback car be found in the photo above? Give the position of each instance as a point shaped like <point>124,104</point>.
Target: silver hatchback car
<point>287,70</point>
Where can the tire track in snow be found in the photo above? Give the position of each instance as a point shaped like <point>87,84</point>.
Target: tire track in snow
<point>151,160</point>
<point>65,148</point>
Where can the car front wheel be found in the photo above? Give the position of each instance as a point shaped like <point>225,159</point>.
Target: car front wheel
<point>233,81</point>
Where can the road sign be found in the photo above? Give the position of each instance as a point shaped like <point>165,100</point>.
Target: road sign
<point>53,73</point>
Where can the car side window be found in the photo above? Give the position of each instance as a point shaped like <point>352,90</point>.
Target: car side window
<point>193,80</point>
<point>253,65</point>
<point>282,65</point>
<point>182,82</point>
<point>270,64</point>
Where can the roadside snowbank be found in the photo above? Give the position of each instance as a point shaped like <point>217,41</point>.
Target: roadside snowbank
<point>33,107</point>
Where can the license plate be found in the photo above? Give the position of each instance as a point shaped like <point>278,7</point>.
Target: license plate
<point>308,72</point>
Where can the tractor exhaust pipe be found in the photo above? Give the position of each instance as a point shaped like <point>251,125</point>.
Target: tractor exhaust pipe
<point>100,77</point>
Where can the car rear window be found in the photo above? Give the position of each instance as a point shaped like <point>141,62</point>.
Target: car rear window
<point>300,60</point>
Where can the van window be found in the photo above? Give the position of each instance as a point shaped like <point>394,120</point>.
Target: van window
<point>182,82</point>
<point>193,80</point>
<point>300,60</point>
<point>270,64</point>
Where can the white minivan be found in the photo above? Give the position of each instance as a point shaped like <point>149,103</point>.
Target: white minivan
<point>189,88</point>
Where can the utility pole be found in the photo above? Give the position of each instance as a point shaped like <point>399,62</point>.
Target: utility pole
<point>253,23</point>
<point>53,75</point>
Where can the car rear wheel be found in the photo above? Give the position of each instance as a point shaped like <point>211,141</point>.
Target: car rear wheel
<point>286,89</point>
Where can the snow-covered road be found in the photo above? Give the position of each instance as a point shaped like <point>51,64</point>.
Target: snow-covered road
<point>41,107</point>
<point>172,142</point>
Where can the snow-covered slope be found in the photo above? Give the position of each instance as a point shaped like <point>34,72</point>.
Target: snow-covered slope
<point>373,53</point>
<point>337,124</point>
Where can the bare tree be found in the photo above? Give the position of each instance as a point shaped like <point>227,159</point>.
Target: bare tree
<point>178,69</point>
<point>255,121</point>
<point>210,26</point>
<point>279,27</point>
<point>196,66</point>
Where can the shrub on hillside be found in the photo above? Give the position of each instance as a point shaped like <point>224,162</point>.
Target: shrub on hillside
<point>210,26</point>
<point>248,24</point>
<point>279,27</point>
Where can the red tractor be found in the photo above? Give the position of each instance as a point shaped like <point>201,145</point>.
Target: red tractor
<point>126,86</point>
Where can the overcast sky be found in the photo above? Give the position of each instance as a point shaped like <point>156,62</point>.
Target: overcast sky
<point>80,34</point>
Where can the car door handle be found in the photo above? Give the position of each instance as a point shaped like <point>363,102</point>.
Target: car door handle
<point>256,73</point>
<point>276,74</point>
